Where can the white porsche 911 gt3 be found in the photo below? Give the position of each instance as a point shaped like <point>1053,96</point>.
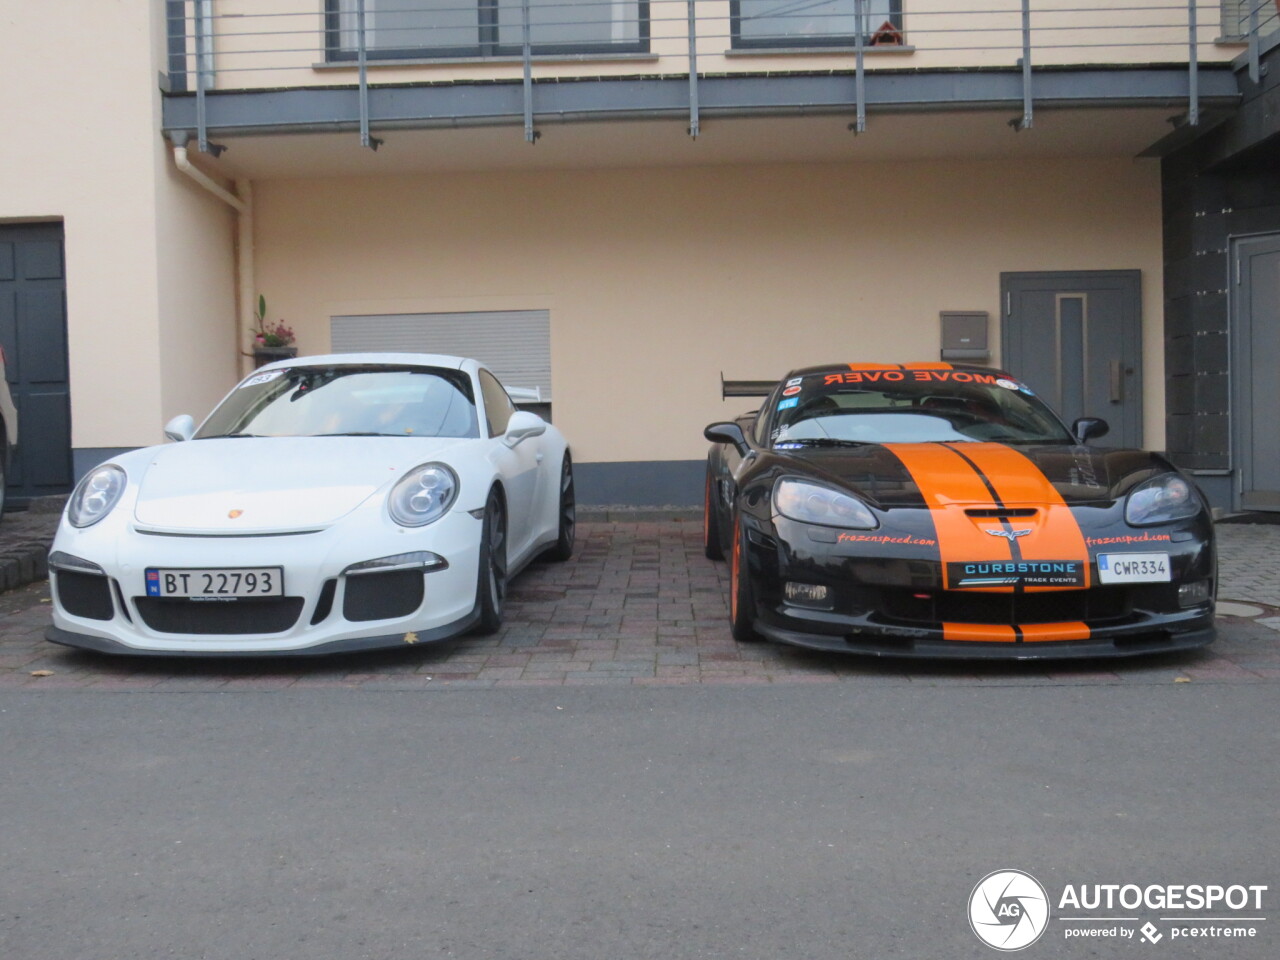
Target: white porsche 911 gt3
<point>331,503</point>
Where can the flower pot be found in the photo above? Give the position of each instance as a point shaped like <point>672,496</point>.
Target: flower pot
<point>265,355</point>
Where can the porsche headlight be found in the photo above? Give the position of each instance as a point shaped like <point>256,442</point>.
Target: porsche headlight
<point>423,495</point>
<point>1160,500</point>
<point>95,495</point>
<point>813,503</point>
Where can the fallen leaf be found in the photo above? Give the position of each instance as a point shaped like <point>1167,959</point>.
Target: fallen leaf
<point>1181,679</point>
<point>410,637</point>
<point>42,673</point>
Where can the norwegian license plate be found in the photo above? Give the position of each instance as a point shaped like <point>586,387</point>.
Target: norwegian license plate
<point>218,584</point>
<point>1134,568</point>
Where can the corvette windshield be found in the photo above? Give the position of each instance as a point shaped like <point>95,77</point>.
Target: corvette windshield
<point>832,409</point>
<point>349,400</point>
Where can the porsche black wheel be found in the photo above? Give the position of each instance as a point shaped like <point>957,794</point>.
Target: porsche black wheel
<point>563,548</point>
<point>711,544</point>
<point>491,587</point>
<point>742,604</point>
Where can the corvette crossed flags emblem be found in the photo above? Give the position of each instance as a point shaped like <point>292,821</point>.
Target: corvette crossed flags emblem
<point>1010,535</point>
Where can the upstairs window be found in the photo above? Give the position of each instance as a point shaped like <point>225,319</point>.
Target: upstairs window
<point>814,23</point>
<point>426,29</point>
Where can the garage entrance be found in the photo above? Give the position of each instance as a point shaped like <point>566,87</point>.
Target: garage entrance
<point>1255,370</point>
<point>33,332</point>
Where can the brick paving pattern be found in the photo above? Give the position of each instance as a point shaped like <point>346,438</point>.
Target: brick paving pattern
<point>640,605</point>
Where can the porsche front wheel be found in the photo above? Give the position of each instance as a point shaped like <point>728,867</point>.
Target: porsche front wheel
<point>742,604</point>
<point>491,586</point>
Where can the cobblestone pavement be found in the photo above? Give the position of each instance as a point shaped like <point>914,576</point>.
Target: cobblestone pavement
<point>639,604</point>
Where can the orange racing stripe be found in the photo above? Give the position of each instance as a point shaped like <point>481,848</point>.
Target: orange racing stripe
<point>989,632</point>
<point>1017,480</point>
<point>1043,632</point>
<point>949,484</point>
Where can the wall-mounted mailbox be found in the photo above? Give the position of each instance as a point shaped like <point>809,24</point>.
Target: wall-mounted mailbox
<point>964,335</point>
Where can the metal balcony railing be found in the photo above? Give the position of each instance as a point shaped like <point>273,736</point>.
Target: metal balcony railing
<point>244,45</point>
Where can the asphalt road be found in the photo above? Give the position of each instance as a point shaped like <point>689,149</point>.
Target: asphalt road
<point>799,821</point>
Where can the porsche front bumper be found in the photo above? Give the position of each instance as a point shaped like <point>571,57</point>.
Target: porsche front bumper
<point>333,601</point>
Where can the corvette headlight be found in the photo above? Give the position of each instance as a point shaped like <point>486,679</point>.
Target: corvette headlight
<point>1160,500</point>
<point>813,503</point>
<point>423,495</point>
<point>95,495</point>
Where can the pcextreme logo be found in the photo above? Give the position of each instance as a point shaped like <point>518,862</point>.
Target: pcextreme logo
<point>1008,910</point>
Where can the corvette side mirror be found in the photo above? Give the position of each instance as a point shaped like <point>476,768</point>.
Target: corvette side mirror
<point>523,425</point>
<point>180,428</point>
<point>728,433</point>
<point>1086,428</point>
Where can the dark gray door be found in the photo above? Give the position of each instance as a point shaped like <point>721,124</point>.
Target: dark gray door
<point>1076,339</point>
<point>1255,372</point>
<point>33,331</point>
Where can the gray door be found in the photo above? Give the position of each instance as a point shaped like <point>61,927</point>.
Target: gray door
<point>1076,339</point>
<point>33,331</point>
<point>1255,372</point>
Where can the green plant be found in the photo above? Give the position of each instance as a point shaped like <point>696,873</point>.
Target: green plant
<point>270,335</point>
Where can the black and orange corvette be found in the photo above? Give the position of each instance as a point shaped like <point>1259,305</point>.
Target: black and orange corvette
<point>934,510</point>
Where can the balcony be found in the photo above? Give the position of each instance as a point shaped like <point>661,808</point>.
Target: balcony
<point>240,68</point>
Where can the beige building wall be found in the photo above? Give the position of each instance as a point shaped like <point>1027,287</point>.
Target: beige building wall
<point>658,280</point>
<point>80,117</point>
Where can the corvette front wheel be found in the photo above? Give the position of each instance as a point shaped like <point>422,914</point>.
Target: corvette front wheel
<point>712,547</point>
<point>491,585</point>
<point>742,604</point>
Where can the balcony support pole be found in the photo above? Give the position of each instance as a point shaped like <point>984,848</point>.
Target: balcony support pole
<point>198,13</point>
<point>859,74</point>
<point>693,73</point>
<point>1255,65</point>
<point>363,59</point>
<point>1028,116</point>
<point>1193,67</point>
<point>526,52</point>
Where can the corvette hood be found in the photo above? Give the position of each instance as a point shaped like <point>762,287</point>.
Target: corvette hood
<point>271,484</point>
<point>1018,474</point>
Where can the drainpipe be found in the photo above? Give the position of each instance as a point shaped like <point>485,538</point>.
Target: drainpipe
<point>242,202</point>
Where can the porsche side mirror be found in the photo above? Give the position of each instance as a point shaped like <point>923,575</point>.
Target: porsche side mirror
<point>728,433</point>
<point>523,425</point>
<point>180,428</point>
<point>1087,428</point>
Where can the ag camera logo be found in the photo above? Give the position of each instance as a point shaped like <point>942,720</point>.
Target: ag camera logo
<point>1008,910</point>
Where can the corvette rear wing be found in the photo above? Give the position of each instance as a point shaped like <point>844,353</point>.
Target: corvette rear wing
<point>745,388</point>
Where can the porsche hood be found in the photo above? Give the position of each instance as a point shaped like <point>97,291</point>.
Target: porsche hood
<point>270,484</point>
<point>895,474</point>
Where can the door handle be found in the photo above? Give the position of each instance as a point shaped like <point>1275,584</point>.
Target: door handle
<point>1117,381</point>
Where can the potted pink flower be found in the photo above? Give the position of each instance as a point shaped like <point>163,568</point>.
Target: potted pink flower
<point>271,341</point>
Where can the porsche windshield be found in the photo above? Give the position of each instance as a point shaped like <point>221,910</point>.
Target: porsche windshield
<point>349,400</point>
<point>911,406</point>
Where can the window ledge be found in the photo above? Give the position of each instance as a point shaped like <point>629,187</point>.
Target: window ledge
<point>352,65</point>
<point>794,51</point>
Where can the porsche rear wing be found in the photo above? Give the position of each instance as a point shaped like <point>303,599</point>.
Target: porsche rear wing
<point>745,388</point>
<point>525,394</point>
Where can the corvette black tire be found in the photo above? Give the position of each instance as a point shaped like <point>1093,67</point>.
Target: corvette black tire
<point>491,585</point>
<point>563,548</point>
<point>742,604</point>
<point>712,546</point>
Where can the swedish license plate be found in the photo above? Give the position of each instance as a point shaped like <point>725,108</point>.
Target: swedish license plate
<point>220,584</point>
<point>1134,568</point>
